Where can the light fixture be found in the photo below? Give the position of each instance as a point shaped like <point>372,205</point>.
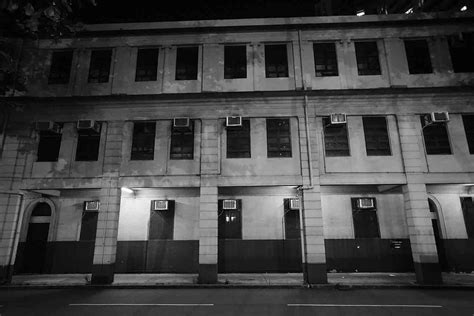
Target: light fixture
<point>469,185</point>
<point>127,190</point>
<point>409,11</point>
<point>360,12</point>
<point>464,8</point>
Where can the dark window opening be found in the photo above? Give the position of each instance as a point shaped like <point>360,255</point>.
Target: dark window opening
<point>60,70</point>
<point>436,138</point>
<point>278,138</point>
<point>147,64</point>
<point>99,69</point>
<point>143,142</point>
<point>49,145</point>
<point>325,59</point>
<point>41,209</point>
<point>336,143</point>
<point>468,122</point>
<point>377,142</point>
<point>229,222</point>
<point>418,57</point>
<point>162,223</point>
<point>468,213</point>
<point>461,49</point>
<point>88,146</point>
<point>292,221</point>
<point>187,63</point>
<point>367,55</point>
<point>182,142</point>
<point>366,224</point>
<point>238,141</point>
<point>235,62</point>
<point>276,61</point>
<point>89,226</point>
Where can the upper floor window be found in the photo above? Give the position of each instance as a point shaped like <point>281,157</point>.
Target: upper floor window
<point>88,143</point>
<point>99,69</point>
<point>325,59</point>
<point>147,64</point>
<point>366,224</point>
<point>278,138</point>
<point>461,48</point>
<point>335,139</point>
<point>48,146</point>
<point>187,63</point>
<point>238,141</point>
<point>436,138</point>
<point>276,61</point>
<point>143,142</point>
<point>377,142</point>
<point>468,122</point>
<point>182,142</point>
<point>367,55</point>
<point>235,62</point>
<point>418,57</point>
<point>60,70</point>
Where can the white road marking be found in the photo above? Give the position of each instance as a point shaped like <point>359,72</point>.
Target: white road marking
<point>146,304</point>
<point>364,305</point>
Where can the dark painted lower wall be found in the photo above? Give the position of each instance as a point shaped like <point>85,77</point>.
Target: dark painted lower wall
<point>157,256</point>
<point>247,256</point>
<point>459,255</point>
<point>368,255</point>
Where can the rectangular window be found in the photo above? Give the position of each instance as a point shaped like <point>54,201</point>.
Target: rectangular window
<point>367,55</point>
<point>187,63</point>
<point>276,61</point>
<point>87,146</point>
<point>468,122</point>
<point>49,145</point>
<point>235,62</point>
<point>418,57</point>
<point>143,142</point>
<point>468,213</point>
<point>60,70</point>
<point>461,48</point>
<point>292,221</point>
<point>336,143</point>
<point>162,223</point>
<point>278,138</point>
<point>377,142</point>
<point>238,141</point>
<point>436,138</point>
<point>147,64</point>
<point>99,69</point>
<point>229,221</point>
<point>325,59</point>
<point>89,226</point>
<point>366,224</point>
<point>182,142</point>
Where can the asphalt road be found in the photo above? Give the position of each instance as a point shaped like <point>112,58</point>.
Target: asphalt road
<point>227,301</point>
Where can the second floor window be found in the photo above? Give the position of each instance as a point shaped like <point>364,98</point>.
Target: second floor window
<point>88,143</point>
<point>278,138</point>
<point>143,142</point>
<point>235,62</point>
<point>276,61</point>
<point>49,145</point>
<point>182,143</point>
<point>325,59</point>
<point>336,143</point>
<point>187,63</point>
<point>99,69</point>
<point>418,57</point>
<point>461,48</point>
<point>468,122</point>
<point>436,138</point>
<point>367,55</point>
<point>60,70</point>
<point>238,141</point>
<point>377,142</point>
<point>147,64</point>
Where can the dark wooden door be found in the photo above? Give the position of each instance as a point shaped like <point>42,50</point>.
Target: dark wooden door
<point>35,248</point>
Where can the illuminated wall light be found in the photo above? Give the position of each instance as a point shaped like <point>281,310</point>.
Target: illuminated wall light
<point>463,8</point>
<point>360,12</point>
<point>127,190</point>
<point>409,11</point>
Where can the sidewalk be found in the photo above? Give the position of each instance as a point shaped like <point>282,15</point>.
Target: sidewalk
<point>337,280</point>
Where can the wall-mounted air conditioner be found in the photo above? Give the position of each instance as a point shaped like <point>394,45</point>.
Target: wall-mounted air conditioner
<point>338,118</point>
<point>48,126</point>
<point>233,121</point>
<point>91,206</point>
<point>159,205</point>
<point>88,125</point>
<point>294,204</point>
<point>181,122</point>
<point>438,117</point>
<point>365,203</point>
<point>229,204</point>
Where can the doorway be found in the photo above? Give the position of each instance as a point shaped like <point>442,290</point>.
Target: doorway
<point>435,222</point>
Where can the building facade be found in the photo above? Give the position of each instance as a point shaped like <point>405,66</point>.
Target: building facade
<point>314,144</point>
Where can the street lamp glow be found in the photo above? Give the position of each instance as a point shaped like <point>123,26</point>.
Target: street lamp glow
<point>360,13</point>
<point>128,190</point>
<point>463,8</point>
<point>409,11</point>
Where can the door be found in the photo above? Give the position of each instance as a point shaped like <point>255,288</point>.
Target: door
<point>229,229</point>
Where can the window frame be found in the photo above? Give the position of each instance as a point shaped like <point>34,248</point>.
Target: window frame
<point>461,57</point>
<point>326,56</point>
<point>48,136</point>
<point>467,205</point>
<point>222,231</point>
<point>61,72</point>
<point>162,219</point>
<point>291,232</point>
<point>88,136</point>
<point>276,133</point>
<point>418,56</point>
<point>190,68</point>
<point>469,131</point>
<point>142,155</point>
<point>363,231</point>
<point>272,60</point>
<point>232,66</point>
<point>436,137</point>
<point>150,67</point>
<point>241,135</point>
<point>368,69</point>
<point>103,66</point>
<point>177,135</point>
<point>369,138</point>
<point>339,128</point>
<point>91,233</point>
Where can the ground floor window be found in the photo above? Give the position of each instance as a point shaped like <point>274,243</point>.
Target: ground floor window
<point>229,219</point>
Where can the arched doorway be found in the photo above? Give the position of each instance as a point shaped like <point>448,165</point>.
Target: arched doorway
<point>34,252</point>
<point>435,221</point>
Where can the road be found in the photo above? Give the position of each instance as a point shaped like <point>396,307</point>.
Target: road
<point>227,301</point>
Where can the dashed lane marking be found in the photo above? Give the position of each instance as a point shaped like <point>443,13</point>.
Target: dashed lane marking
<point>363,305</point>
<point>145,304</point>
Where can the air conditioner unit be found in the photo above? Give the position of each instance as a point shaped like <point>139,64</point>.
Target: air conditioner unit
<point>159,205</point>
<point>48,126</point>
<point>91,206</point>
<point>181,122</point>
<point>229,204</point>
<point>88,125</point>
<point>233,121</point>
<point>365,203</point>
<point>338,118</point>
<point>294,204</point>
<point>438,117</point>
